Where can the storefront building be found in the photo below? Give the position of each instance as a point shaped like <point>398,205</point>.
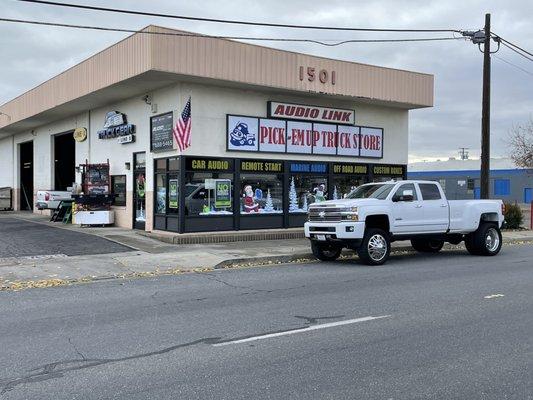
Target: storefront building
<point>270,131</point>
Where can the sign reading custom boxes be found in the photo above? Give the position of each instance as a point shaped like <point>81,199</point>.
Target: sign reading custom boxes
<point>116,126</point>
<point>253,134</point>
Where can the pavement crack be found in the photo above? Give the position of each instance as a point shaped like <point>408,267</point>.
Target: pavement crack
<point>315,320</point>
<point>77,350</point>
<point>215,278</point>
<point>58,369</point>
<point>212,277</point>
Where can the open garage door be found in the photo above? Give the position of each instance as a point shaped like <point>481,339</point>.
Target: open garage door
<point>26,176</point>
<point>64,161</point>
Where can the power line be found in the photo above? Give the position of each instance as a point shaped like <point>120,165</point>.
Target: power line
<point>514,45</point>
<point>323,43</point>
<point>225,21</point>
<point>517,52</point>
<point>514,65</point>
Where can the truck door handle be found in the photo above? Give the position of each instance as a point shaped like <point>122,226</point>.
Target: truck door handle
<point>418,205</point>
<point>444,205</point>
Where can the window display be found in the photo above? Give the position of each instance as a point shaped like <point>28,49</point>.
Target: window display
<point>305,190</point>
<point>118,184</point>
<point>208,193</point>
<point>161,194</point>
<point>261,194</point>
<point>343,185</point>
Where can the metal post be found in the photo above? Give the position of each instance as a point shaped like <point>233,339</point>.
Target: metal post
<point>485,115</point>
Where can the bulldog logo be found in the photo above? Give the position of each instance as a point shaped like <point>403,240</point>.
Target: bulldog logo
<point>240,136</point>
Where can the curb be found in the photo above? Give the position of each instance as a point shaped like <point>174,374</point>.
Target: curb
<point>286,259</point>
<point>306,257</point>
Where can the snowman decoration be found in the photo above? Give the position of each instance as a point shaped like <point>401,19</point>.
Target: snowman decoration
<point>249,202</point>
<point>320,193</point>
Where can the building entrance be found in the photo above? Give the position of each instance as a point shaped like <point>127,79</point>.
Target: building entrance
<point>64,161</point>
<point>26,176</point>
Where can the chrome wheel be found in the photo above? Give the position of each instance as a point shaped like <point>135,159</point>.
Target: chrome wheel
<point>492,240</point>
<point>377,247</point>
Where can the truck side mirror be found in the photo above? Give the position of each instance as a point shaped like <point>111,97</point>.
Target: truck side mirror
<point>405,197</point>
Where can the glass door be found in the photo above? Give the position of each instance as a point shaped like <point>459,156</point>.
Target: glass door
<point>139,190</point>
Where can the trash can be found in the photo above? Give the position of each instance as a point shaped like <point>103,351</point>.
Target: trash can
<point>6,200</point>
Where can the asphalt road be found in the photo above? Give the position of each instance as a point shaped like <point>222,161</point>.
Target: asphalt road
<point>286,332</point>
<point>20,238</point>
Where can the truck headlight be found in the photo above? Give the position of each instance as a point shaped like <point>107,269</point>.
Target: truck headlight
<point>350,214</point>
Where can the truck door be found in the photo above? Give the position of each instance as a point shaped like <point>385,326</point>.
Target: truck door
<point>436,215</point>
<point>407,210</point>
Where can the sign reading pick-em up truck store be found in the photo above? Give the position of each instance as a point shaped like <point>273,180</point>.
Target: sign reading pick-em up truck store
<point>116,126</point>
<point>254,134</point>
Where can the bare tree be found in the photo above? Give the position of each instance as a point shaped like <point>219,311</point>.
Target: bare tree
<point>521,144</point>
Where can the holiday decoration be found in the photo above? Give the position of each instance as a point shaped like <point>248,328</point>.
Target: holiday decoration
<point>320,193</point>
<point>293,197</point>
<point>249,201</point>
<point>269,206</point>
<point>304,205</point>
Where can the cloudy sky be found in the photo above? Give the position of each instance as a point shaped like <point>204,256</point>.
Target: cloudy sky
<point>32,54</point>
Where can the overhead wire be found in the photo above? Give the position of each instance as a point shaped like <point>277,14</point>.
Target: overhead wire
<point>320,42</point>
<point>226,21</point>
<point>517,52</point>
<point>514,65</point>
<point>512,44</point>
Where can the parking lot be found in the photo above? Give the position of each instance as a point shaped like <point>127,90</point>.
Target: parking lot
<point>22,238</point>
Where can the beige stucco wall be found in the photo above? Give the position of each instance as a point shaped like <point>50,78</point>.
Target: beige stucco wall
<point>210,104</point>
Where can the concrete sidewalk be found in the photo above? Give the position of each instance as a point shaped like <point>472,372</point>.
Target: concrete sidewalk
<point>152,257</point>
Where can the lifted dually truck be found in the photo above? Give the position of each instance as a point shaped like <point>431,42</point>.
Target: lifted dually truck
<point>376,214</point>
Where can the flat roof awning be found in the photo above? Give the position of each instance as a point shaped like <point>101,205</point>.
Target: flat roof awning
<point>144,62</point>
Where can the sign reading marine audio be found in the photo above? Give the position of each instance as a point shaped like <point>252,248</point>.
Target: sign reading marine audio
<point>254,134</point>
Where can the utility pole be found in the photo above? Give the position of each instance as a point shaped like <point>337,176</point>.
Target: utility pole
<point>485,115</point>
<point>463,153</point>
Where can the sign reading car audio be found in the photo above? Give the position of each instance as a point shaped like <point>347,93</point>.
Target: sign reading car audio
<point>264,135</point>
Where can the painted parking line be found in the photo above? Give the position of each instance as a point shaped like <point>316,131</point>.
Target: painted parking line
<point>300,330</point>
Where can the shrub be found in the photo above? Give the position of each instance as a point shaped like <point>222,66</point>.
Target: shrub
<point>513,216</point>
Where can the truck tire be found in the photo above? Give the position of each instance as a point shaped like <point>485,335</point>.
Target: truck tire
<point>375,247</point>
<point>325,251</point>
<point>427,245</point>
<point>485,241</point>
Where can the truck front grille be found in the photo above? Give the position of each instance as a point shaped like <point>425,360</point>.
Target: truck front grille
<point>325,214</point>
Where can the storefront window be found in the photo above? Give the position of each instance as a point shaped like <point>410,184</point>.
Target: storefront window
<point>118,184</point>
<point>161,194</point>
<point>305,190</point>
<point>140,161</point>
<point>261,194</point>
<point>343,185</point>
<point>208,193</point>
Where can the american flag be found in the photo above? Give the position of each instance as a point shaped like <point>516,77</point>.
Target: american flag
<point>182,130</point>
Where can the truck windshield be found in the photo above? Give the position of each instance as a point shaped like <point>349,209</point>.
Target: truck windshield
<point>377,191</point>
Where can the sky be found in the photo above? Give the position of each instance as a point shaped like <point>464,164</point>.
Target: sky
<point>33,54</point>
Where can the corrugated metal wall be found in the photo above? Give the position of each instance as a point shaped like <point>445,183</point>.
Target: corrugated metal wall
<point>223,60</point>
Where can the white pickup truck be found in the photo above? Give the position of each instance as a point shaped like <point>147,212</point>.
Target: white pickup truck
<point>50,199</point>
<point>376,214</point>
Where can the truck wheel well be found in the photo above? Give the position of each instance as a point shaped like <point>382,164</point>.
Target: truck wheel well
<point>378,221</point>
<point>489,217</point>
